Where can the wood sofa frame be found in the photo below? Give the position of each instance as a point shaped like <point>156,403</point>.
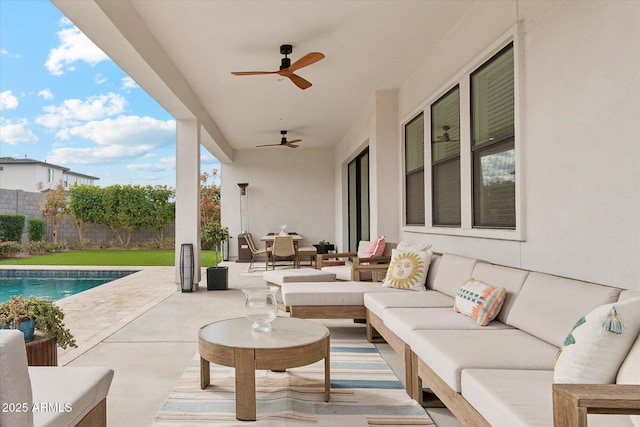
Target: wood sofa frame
<point>571,402</point>
<point>96,417</point>
<point>378,267</point>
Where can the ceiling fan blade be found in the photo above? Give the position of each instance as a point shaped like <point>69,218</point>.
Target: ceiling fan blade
<point>268,145</point>
<point>308,59</point>
<point>252,73</point>
<point>294,141</point>
<point>290,145</point>
<point>299,81</point>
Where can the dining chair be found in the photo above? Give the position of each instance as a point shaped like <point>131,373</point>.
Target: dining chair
<point>283,247</point>
<point>255,252</point>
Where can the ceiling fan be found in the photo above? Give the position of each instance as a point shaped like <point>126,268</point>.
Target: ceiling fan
<point>287,68</point>
<point>283,141</point>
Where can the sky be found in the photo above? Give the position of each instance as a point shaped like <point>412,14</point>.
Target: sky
<point>63,101</point>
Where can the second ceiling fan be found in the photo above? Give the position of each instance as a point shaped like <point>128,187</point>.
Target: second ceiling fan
<point>283,142</point>
<point>287,68</point>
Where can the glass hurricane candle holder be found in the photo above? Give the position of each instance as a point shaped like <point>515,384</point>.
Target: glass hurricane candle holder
<point>261,307</point>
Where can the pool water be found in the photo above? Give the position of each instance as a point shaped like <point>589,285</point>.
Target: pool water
<point>52,285</point>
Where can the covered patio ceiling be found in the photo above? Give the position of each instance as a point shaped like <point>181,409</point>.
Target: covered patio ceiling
<point>183,53</point>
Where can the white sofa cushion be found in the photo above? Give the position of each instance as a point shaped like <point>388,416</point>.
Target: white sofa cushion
<point>433,269</point>
<point>279,277</point>
<point>629,372</point>
<point>403,321</point>
<point>448,352</point>
<point>520,398</point>
<point>548,306</point>
<point>453,271</point>
<point>509,278</point>
<point>593,352</point>
<point>628,294</point>
<point>329,293</point>
<point>377,302</point>
<point>15,386</point>
<point>80,388</point>
<point>341,272</point>
<point>510,398</point>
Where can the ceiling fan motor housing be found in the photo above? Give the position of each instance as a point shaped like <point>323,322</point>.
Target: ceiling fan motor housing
<point>285,49</point>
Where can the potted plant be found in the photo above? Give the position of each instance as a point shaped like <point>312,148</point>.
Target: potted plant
<point>323,247</point>
<point>213,234</point>
<point>46,317</point>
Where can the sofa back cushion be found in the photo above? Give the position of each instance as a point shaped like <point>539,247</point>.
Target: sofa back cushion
<point>548,306</point>
<point>433,269</point>
<point>629,372</point>
<point>628,294</point>
<point>511,279</point>
<point>15,385</point>
<point>453,271</point>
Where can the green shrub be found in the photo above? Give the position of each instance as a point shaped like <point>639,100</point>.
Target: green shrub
<point>36,229</point>
<point>42,248</point>
<point>11,227</point>
<point>9,249</point>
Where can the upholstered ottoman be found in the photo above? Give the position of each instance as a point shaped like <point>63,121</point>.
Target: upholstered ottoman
<point>280,277</point>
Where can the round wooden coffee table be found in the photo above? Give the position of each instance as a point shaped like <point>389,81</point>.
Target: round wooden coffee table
<point>292,342</point>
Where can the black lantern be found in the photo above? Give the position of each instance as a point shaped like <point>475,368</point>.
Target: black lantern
<point>187,267</point>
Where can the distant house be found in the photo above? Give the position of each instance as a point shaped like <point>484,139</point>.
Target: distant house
<point>25,174</point>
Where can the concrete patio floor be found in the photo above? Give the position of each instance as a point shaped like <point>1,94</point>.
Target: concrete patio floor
<point>146,330</point>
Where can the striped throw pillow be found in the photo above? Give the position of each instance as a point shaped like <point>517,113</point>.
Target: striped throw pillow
<point>479,301</point>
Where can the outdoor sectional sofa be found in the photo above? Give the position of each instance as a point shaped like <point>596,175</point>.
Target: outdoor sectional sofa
<point>501,374</point>
<point>48,395</point>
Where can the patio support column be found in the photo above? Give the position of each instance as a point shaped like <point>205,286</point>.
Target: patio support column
<point>187,192</point>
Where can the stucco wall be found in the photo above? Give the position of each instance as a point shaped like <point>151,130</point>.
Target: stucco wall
<point>292,187</point>
<point>579,135</point>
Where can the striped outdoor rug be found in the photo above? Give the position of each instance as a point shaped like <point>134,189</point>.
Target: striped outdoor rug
<point>364,392</point>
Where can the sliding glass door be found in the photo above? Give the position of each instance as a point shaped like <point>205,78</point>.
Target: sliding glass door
<point>358,177</point>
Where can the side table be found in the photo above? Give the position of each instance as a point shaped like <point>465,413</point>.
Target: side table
<point>42,351</point>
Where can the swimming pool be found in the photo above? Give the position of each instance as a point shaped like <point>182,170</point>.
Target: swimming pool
<point>53,284</point>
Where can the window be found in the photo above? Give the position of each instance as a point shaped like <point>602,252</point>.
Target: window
<point>445,159</point>
<point>493,142</point>
<point>471,184</point>
<point>65,180</point>
<point>414,171</point>
<point>50,178</point>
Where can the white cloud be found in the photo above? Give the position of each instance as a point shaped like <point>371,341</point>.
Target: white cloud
<point>163,164</point>
<point>8,101</point>
<point>74,46</point>
<point>73,111</point>
<point>17,132</point>
<point>10,55</point>
<point>128,83</point>
<point>100,78</point>
<point>46,94</point>
<point>122,139</point>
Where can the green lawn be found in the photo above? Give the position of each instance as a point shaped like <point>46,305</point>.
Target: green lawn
<point>106,257</point>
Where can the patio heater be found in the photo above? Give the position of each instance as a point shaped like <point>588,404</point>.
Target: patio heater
<point>244,253</point>
<point>187,267</point>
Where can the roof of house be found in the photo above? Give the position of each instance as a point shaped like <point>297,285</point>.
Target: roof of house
<point>13,160</point>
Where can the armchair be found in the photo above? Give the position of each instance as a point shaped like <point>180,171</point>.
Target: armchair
<point>357,266</point>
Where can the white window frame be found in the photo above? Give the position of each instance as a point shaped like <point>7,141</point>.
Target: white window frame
<point>463,79</point>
